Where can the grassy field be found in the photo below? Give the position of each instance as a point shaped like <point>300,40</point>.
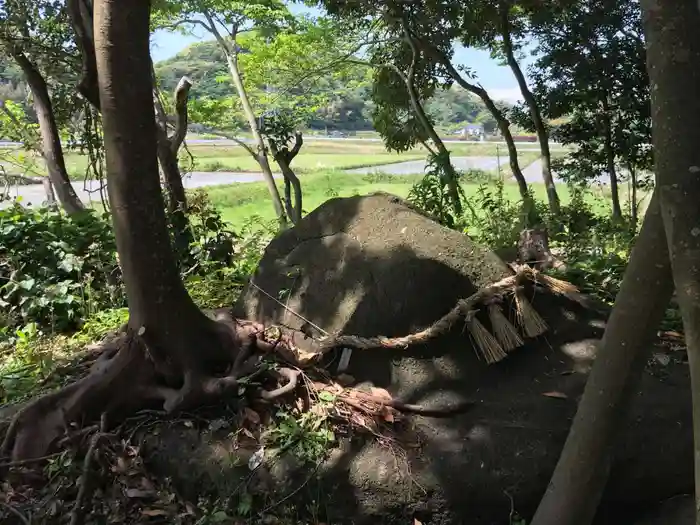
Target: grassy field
<point>315,155</point>
<point>241,203</point>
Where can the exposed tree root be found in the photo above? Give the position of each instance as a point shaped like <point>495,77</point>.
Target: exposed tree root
<point>78,512</point>
<point>126,378</point>
<point>130,375</point>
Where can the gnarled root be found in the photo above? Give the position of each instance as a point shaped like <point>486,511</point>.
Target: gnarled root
<point>128,377</point>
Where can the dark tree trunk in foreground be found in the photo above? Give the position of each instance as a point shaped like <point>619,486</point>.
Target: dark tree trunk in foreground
<point>52,150</point>
<point>582,471</point>
<point>540,129</point>
<point>172,353</point>
<point>673,63</point>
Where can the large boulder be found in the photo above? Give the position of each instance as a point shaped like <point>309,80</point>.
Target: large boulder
<point>372,265</point>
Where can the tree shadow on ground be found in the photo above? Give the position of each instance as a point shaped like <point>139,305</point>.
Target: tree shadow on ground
<point>370,266</point>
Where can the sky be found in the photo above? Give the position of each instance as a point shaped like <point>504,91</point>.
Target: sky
<point>497,80</point>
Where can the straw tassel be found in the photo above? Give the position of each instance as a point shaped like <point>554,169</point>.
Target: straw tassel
<point>529,320</point>
<point>503,329</point>
<point>487,345</point>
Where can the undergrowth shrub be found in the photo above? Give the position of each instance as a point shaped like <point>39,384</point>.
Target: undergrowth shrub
<point>430,194</point>
<point>54,269</point>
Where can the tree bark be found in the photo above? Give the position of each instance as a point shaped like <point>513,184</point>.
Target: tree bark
<point>610,159</point>
<point>541,130</point>
<point>52,150</point>
<point>578,481</point>
<point>160,309</point>
<point>673,63</point>
<point>284,157</point>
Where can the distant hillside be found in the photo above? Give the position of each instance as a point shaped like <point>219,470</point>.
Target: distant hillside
<point>204,62</point>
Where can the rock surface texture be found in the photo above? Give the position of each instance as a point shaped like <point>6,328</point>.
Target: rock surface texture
<point>373,266</point>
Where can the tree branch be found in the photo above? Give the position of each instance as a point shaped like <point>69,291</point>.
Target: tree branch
<point>214,31</point>
<point>181,92</point>
<point>298,143</point>
<point>80,12</point>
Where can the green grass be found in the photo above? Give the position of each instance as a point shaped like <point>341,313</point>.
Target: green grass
<point>314,155</point>
<point>241,203</point>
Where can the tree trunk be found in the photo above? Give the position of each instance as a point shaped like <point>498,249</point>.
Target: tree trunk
<point>261,156</point>
<point>172,352</point>
<point>168,149</point>
<point>673,63</point>
<point>50,138</point>
<point>610,159</point>
<point>284,157</point>
<point>452,177</point>
<point>582,471</point>
<point>503,126</point>
<point>158,301</point>
<point>542,134</point>
<point>634,207</point>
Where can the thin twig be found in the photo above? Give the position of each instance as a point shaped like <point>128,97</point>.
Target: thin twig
<point>17,513</point>
<point>77,514</point>
<point>288,309</point>
<point>23,462</point>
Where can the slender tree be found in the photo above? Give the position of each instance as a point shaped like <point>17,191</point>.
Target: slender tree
<point>226,21</point>
<point>27,31</point>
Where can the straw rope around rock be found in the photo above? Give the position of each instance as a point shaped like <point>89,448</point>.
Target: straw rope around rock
<point>489,348</point>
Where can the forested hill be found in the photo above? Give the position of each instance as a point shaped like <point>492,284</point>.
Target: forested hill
<point>206,66</point>
<point>350,110</point>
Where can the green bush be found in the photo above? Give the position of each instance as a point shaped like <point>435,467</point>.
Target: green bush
<point>54,269</point>
<point>57,271</point>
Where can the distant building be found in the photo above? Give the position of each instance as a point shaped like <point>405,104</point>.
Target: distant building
<point>472,132</point>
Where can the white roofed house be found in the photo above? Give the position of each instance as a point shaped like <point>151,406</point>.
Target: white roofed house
<point>472,132</point>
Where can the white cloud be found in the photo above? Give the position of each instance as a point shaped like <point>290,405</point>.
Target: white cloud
<point>511,95</point>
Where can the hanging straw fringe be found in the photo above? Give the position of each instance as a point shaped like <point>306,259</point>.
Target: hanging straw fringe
<point>487,346</point>
<point>530,321</point>
<point>503,329</point>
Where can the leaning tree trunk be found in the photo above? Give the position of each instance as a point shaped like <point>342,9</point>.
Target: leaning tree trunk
<point>168,149</point>
<point>579,478</point>
<point>409,81</point>
<point>610,159</point>
<point>52,150</point>
<point>541,130</point>
<point>452,177</point>
<point>503,126</point>
<point>673,63</point>
<point>261,154</point>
